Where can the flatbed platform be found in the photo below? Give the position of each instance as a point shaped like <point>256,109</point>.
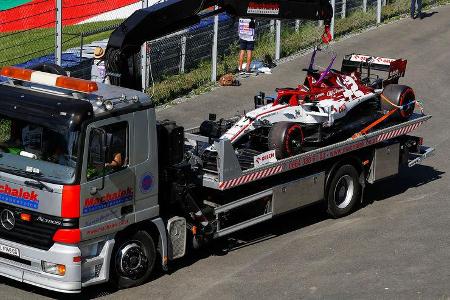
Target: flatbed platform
<point>230,174</point>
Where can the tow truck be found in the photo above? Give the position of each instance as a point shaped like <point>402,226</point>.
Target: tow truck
<point>94,189</point>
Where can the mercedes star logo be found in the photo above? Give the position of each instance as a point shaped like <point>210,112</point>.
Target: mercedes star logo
<point>7,219</point>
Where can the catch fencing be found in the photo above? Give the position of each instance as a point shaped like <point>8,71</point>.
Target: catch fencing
<point>66,32</point>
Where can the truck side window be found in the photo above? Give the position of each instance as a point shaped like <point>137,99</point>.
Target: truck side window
<point>116,157</point>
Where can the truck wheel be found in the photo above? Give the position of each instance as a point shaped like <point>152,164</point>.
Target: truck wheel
<point>132,260</point>
<point>286,139</point>
<point>343,191</point>
<point>400,95</point>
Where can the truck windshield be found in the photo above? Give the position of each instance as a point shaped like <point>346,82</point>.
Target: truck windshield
<point>47,151</point>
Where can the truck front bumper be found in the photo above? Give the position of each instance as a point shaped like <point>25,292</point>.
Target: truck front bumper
<point>27,267</point>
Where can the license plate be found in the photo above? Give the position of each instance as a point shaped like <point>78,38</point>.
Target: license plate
<point>9,250</point>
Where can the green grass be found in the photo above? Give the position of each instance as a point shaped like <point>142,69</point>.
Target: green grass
<point>21,46</point>
<point>198,80</point>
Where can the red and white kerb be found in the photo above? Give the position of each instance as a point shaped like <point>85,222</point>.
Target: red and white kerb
<point>64,82</point>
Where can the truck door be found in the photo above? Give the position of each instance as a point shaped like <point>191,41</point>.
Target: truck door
<point>107,207</point>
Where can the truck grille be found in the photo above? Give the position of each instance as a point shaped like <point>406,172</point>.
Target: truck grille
<point>32,233</point>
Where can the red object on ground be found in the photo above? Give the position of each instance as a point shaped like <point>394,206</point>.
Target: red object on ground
<point>42,14</point>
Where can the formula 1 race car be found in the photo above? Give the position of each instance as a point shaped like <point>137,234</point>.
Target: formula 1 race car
<point>330,106</point>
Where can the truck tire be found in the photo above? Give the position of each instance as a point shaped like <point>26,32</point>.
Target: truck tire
<point>50,68</point>
<point>133,260</point>
<point>343,192</point>
<point>286,139</point>
<point>400,95</point>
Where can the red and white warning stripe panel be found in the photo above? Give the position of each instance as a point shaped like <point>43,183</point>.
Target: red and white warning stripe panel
<point>398,132</point>
<point>250,177</point>
<point>263,8</point>
<point>48,79</point>
<point>317,155</point>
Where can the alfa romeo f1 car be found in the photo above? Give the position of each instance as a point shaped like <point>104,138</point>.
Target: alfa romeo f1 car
<point>330,106</point>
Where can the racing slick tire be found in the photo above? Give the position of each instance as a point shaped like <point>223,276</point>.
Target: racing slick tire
<point>133,260</point>
<point>50,68</point>
<point>343,192</point>
<point>399,95</point>
<point>286,138</point>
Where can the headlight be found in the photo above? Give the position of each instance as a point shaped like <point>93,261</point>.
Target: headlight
<point>53,268</point>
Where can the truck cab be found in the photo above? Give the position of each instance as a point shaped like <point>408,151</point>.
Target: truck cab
<point>78,162</point>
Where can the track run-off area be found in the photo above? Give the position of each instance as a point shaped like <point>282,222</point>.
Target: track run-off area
<point>397,245</point>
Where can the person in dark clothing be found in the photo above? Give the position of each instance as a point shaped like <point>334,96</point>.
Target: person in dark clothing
<point>419,9</point>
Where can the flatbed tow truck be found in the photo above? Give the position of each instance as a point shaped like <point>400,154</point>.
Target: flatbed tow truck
<point>94,189</point>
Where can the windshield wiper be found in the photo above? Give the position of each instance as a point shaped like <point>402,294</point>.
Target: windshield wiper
<point>38,184</point>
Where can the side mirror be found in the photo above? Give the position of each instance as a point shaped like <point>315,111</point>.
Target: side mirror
<point>97,148</point>
<point>97,154</point>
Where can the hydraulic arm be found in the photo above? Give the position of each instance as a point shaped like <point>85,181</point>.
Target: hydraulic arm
<point>122,54</point>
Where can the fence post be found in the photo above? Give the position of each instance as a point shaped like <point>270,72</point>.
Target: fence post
<point>278,39</point>
<point>183,54</point>
<point>365,5</point>
<point>214,48</point>
<point>384,2</point>
<point>58,33</point>
<point>344,8</point>
<point>272,26</point>
<point>333,4</point>
<point>297,25</point>
<point>378,11</point>
<point>144,57</point>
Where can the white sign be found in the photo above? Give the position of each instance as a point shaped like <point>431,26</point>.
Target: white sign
<point>264,158</point>
<point>9,250</point>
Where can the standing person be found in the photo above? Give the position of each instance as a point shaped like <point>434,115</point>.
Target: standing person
<point>246,41</point>
<point>419,9</point>
<point>98,70</point>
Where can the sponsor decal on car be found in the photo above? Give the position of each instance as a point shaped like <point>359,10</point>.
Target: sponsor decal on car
<point>374,59</point>
<point>21,197</point>
<point>264,158</point>
<point>108,200</point>
<point>263,8</point>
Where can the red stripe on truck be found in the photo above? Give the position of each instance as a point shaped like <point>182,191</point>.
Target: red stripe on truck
<point>70,203</point>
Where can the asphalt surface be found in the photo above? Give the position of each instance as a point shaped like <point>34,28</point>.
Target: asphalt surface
<point>396,246</point>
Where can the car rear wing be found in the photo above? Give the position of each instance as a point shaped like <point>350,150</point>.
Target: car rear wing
<point>395,67</point>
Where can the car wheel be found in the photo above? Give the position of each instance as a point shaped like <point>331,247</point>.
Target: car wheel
<point>286,139</point>
<point>133,260</point>
<point>343,191</point>
<point>399,95</point>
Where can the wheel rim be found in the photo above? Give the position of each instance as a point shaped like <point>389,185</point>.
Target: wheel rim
<point>343,192</point>
<point>132,261</point>
<point>408,104</point>
<point>294,140</point>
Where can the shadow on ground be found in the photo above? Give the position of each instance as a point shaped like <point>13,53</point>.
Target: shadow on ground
<point>301,218</point>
